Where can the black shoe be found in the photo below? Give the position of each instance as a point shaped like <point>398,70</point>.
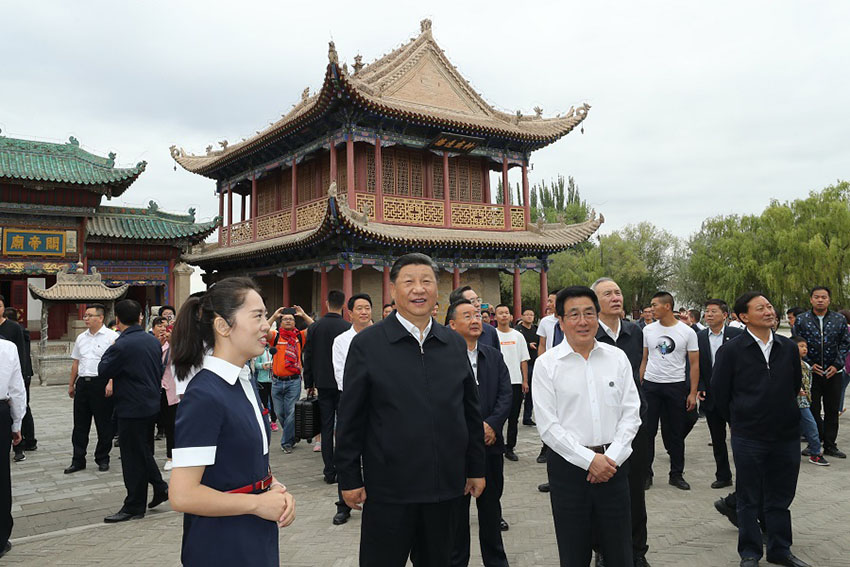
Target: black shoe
<point>541,458</point>
<point>330,478</point>
<point>833,452</point>
<point>6,548</point>
<point>503,525</point>
<point>679,483</point>
<point>158,499</point>
<point>74,468</point>
<point>806,452</point>
<point>730,513</point>
<point>641,562</point>
<point>749,562</point>
<point>341,517</point>
<point>543,487</point>
<point>158,437</point>
<point>789,561</point>
<point>103,467</point>
<point>510,455</point>
<point>529,422</point>
<point>721,483</point>
<point>647,484</point>
<point>122,517</point>
<point>31,446</point>
<point>600,562</point>
<point>19,456</point>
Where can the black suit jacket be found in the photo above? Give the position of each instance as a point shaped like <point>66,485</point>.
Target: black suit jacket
<point>705,361</point>
<point>494,393</point>
<point>318,370</point>
<point>630,341</point>
<point>490,337</point>
<point>757,398</point>
<point>134,362</point>
<point>411,413</point>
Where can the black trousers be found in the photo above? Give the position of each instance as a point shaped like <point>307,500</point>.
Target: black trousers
<point>90,401</point>
<point>826,396</point>
<point>6,521</point>
<point>766,472</point>
<point>585,513</point>
<point>717,430</point>
<point>28,425</point>
<point>167,417</point>
<point>667,401</point>
<point>390,533</point>
<point>638,464</point>
<point>137,463</point>
<point>513,417</point>
<point>528,407</point>
<point>489,513</point>
<point>328,404</point>
<point>265,389</point>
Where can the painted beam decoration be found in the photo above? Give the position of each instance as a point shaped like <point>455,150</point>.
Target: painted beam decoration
<point>32,268</point>
<point>455,143</point>
<point>27,242</point>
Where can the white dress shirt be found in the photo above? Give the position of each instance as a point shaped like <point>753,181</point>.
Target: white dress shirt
<point>610,332</point>
<point>414,330</point>
<point>582,403</point>
<point>339,353</point>
<point>714,342</point>
<point>765,347</point>
<point>473,360</point>
<point>12,382</point>
<point>89,348</point>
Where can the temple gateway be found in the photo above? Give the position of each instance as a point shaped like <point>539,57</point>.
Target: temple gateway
<point>386,158</point>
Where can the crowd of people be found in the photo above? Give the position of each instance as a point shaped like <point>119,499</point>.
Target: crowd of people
<point>418,417</point>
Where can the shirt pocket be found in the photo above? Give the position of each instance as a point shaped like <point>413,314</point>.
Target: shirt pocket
<point>611,393</point>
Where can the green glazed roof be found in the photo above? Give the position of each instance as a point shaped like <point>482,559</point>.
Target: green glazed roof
<point>30,160</point>
<point>148,224</point>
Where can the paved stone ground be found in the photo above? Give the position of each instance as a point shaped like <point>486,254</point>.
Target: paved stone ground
<point>58,518</point>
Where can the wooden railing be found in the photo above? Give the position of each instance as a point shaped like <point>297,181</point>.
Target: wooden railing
<point>410,210</point>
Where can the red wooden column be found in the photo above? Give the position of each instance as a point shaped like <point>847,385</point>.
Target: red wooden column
<point>242,201</point>
<point>544,287</point>
<point>323,290</point>
<point>221,213</point>
<point>349,172</point>
<point>347,286</point>
<point>379,183</point>
<point>286,291</point>
<point>517,295</point>
<point>526,201</point>
<point>254,207</point>
<point>294,196</point>
<point>386,297</point>
<point>485,182</point>
<point>456,278</point>
<point>170,288</point>
<point>229,211</point>
<point>447,218</point>
<point>333,161</point>
<point>506,192</point>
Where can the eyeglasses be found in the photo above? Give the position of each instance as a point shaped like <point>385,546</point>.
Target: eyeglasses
<point>89,316</point>
<point>575,316</point>
<point>475,317</point>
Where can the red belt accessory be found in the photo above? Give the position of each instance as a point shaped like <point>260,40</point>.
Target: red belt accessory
<point>259,486</point>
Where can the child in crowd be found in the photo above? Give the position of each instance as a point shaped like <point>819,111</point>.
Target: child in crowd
<point>808,427</point>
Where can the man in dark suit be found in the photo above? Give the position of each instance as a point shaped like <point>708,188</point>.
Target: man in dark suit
<point>319,373</point>
<point>755,382</point>
<point>489,336</point>
<point>134,363</point>
<point>410,410</point>
<point>495,396</point>
<point>710,340</point>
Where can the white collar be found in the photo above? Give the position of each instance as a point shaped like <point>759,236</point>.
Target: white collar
<point>475,350</point>
<point>102,329</point>
<point>413,329</point>
<point>761,343</point>
<point>713,334</point>
<point>609,331</point>
<point>224,370</point>
<point>564,349</point>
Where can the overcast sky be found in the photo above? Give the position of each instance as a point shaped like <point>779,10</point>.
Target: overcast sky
<point>698,108</point>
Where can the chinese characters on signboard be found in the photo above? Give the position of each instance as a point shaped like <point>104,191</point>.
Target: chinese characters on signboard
<point>456,143</point>
<point>33,242</point>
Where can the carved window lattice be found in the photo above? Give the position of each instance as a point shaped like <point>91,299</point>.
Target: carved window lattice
<point>325,165</point>
<point>413,211</point>
<point>341,178</point>
<point>463,179</point>
<point>266,196</point>
<point>476,190</point>
<point>276,224</point>
<point>366,201</point>
<point>453,179</point>
<point>478,216</point>
<point>518,218</point>
<point>388,172</point>
<point>402,174</point>
<point>370,172</point>
<point>416,187</point>
<point>306,173</point>
<point>285,188</point>
<point>310,215</point>
<point>437,177</point>
<point>240,233</point>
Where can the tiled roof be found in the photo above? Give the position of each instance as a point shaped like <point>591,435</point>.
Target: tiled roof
<point>78,287</point>
<point>29,160</point>
<point>415,82</point>
<point>148,224</point>
<point>545,238</point>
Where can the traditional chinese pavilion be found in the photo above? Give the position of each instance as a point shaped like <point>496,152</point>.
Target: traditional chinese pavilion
<point>385,158</point>
<point>51,217</point>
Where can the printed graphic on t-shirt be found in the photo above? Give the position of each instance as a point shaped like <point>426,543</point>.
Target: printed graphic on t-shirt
<point>666,345</point>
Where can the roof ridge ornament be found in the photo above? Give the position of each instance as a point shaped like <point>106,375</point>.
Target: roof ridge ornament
<point>358,63</point>
<point>73,141</point>
<point>425,25</point>
<point>332,54</point>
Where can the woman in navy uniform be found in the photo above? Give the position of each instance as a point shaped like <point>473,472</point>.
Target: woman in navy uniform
<point>221,478</point>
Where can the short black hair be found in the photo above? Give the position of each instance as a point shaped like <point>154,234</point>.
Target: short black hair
<point>357,296</point>
<point>696,314</point>
<point>744,300</point>
<point>336,299</point>
<point>798,339</point>
<point>128,312</point>
<point>665,297</point>
<point>457,293</point>
<point>450,312</point>
<point>98,307</point>
<point>10,313</point>
<point>505,305</point>
<point>719,303</point>
<point>2,299</point>
<point>168,307</point>
<point>819,288</point>
<point>413,259</point>
<point>158,321</point>
<point>795,311</point>
<point>524,309</point>
<point>553,292</point>
<point>387,305</point>
<point>571,292</point>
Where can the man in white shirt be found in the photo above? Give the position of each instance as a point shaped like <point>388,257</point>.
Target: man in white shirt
<point>515,351</point>
<point>588,411</point>
<point>668,344</point>
<point>547,326</point>
<point>13,406</point>
<point>92,394</point>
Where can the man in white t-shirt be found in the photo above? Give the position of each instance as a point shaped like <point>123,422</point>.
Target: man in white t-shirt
<point>668,344</point>
<point>547,325</point>
<point>515,351</point>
